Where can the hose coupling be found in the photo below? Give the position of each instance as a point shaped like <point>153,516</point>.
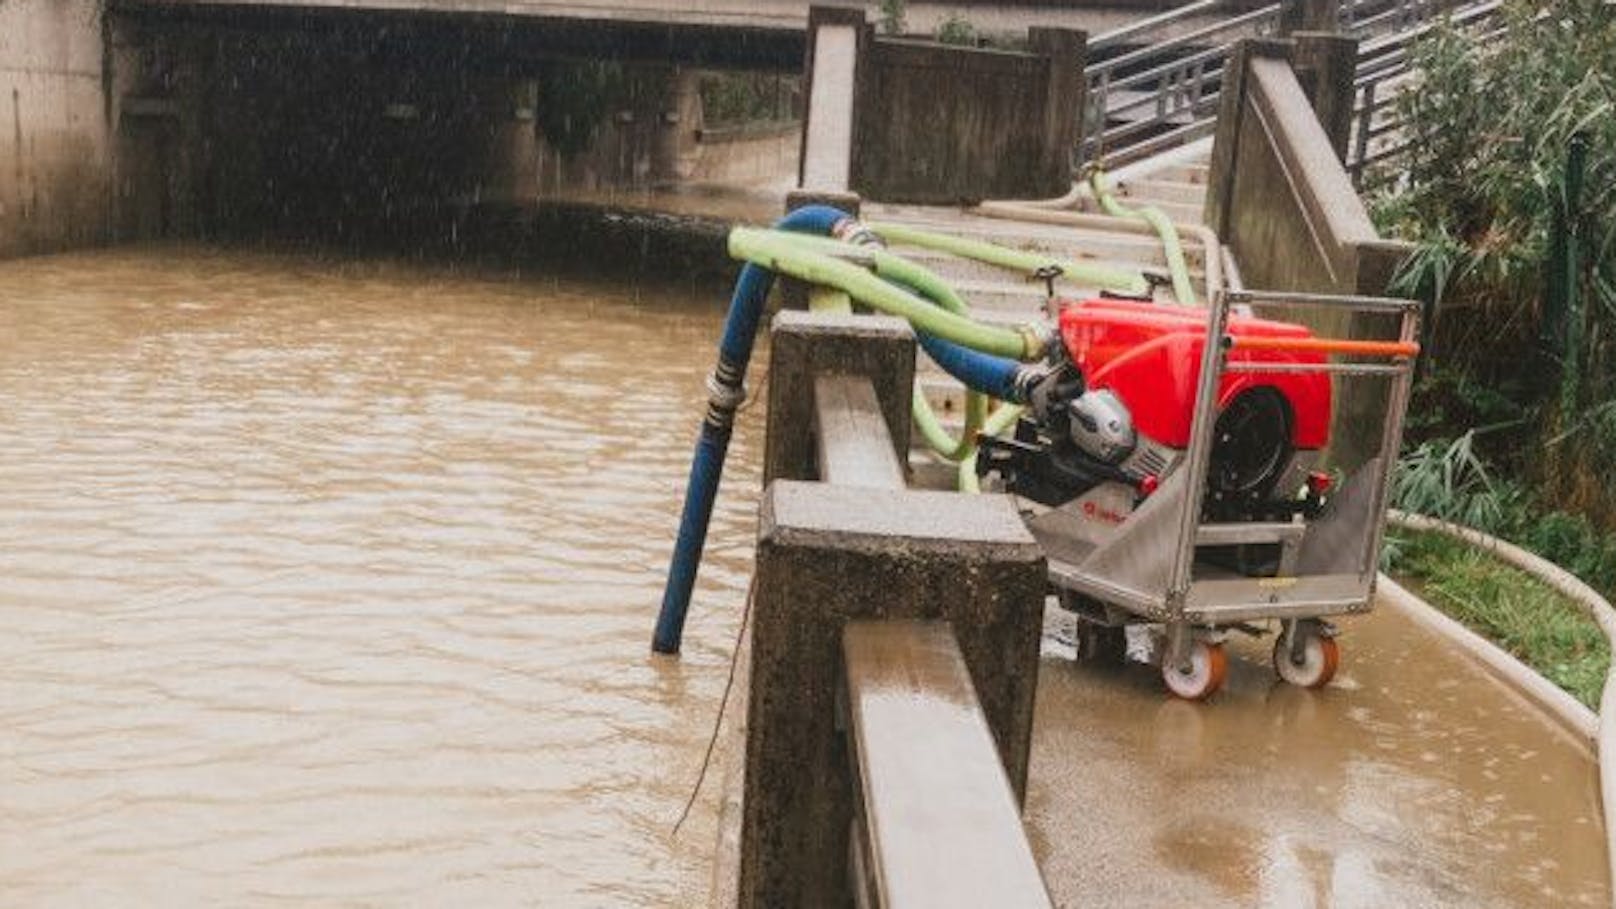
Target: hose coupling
<point>1036,340</point>
<point>725,394</point>
<point>853,231</point>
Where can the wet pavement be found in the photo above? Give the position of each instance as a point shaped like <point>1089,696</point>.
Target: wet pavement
<point>1415,779</point>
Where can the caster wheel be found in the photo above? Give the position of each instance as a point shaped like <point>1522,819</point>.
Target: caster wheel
<point>1208,665</point>
<point>1321,656</point>
<point>1098,643</point>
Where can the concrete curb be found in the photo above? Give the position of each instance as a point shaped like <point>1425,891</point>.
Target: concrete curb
<point>1572,715</point>
<point>1598,608</point>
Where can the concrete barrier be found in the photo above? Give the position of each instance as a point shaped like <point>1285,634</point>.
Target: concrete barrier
<point>1277,193</point>
<point>901,120</point>
<point>1281,200</point>
<point>829,554</point>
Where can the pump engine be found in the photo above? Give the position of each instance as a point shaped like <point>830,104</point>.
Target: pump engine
<point>1114,407</point>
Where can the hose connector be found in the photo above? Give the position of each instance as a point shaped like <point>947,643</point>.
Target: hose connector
<point>1036,341</point>
<point>853,231</point>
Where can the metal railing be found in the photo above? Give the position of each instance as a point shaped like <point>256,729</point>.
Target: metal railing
<point>1392,29</point>
<point>1157,81</point>
<point>1165,93</point>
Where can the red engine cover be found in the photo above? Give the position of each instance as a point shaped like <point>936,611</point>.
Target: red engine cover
<point>1149,354</point>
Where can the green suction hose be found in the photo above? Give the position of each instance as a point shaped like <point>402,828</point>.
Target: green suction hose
<point>786,255</point>
<point>934,288</point>
<point>1171,248</point>
<point>1116,279</point>
<point>1002,418</point>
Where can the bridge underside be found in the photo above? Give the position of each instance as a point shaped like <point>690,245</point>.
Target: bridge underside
<point>503,39</point>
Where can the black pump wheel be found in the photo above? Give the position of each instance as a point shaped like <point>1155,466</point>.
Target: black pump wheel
<point>1251,444</point>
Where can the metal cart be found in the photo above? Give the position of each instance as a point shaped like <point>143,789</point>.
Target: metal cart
<point>1148,568</point>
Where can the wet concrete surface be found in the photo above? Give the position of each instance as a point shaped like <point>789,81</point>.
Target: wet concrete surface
<point>1414,779</point>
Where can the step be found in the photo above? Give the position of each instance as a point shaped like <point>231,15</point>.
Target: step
<point>956,268</point>
<point>1084,243</point>
<point>1156,189</point>
<point>1179,212</point>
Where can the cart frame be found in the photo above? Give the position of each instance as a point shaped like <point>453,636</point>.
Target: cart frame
<point>1146,570</point>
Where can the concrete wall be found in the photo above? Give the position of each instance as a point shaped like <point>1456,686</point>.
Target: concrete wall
<point>55,146</point>
<point>1280,197</point>
<point>766,153</point>
<point>943,124</point>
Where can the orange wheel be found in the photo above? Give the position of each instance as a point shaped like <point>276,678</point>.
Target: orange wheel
<point>1201,676</point>
<point>1320,658</point>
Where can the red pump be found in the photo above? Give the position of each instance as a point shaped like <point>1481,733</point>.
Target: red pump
<point>1149,355</point>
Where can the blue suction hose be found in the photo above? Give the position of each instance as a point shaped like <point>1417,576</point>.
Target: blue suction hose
<point>996,377</point>
<point>726,391</point>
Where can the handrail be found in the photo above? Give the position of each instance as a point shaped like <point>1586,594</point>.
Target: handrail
<point>1151,23</point>
<point>936,821</point>
<point>1383,59</point>
<point>1143,93</point>
<point>1197,36</point>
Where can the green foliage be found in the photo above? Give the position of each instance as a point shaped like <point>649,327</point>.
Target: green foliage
<point>575,98</point>
<point>892,17</point>
<point>957,30</point>
<point>1448,480</point>
<point>1522,615</point>
<point>729,98</point>
<point>1489,123</point>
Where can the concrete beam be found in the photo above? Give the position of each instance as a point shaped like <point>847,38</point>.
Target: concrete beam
<point>941,823</point>
<point>830,554</point>
<point>855,446</point>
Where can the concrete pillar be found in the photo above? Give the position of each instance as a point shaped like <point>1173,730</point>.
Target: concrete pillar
<point>1065,96</point>
<point>510,172</point>
<point>805,344</point>
<point>829,554</point>
<point>677,125</point>
<point>831,83</point>
<point>1310,16</point>
<point>1326,65</point>
<point>55,141</point>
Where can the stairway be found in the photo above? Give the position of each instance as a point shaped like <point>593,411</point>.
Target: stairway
<point>1174,183</point>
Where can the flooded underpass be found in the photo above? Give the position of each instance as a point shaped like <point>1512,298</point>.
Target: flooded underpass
<point>332,583</point>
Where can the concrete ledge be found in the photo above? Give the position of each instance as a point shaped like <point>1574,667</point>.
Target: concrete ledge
<point>828,554</point>
<point>805,345</point>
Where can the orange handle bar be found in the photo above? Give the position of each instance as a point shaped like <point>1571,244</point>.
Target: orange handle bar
<point>1324,346</point>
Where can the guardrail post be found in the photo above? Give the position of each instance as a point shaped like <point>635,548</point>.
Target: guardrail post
<point>1064,51</point>
<point>1326,65</point>
<point>807,344</point>
<point>1309,16</point>
<point>828,554</point>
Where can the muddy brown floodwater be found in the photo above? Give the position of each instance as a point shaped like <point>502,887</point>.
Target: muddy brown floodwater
<point>332,583</point>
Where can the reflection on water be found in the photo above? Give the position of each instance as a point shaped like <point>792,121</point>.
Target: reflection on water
<point>335,582</point>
